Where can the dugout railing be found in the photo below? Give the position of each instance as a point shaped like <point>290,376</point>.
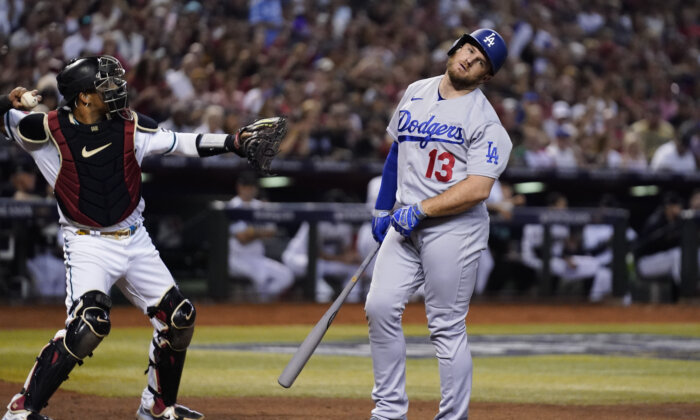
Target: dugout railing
<point>313,213</point>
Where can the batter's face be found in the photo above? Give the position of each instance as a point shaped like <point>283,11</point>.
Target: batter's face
<point>468,67</point>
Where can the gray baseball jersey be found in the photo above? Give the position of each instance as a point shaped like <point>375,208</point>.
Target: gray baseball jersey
<point>441,142</point>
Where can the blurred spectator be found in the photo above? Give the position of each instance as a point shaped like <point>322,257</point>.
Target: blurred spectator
<point>178,79</point>
<point>267,14</point>
<point>535,139</point>
<point>247,257</point>
<point>658,252</point>
<point>676,155</point>
<point>337,255</point>
<point>107,16</point>
<point>653,131</point>
<point>131,44</point>
<point>179,120</point>
<point>568,260</point>
<point>694,201</point>
<point>561,116</point>
<point>296,144</point>
<point>212,120</point>
<point>598,236</point>
<point>46,267</point>
<point>23,181</point>
<point>563,151</point>
<point>632,157</point>
<point>83,42</point>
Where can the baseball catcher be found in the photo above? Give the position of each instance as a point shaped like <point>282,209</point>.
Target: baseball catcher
<point>90,151</point>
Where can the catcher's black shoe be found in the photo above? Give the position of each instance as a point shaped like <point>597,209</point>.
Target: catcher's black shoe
<point>173,412</point>
<point>24,415</point>
<point>16,411</point>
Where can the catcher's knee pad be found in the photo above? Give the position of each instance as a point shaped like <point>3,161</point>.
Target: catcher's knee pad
<point>177,316</point>
<point>89,323</point>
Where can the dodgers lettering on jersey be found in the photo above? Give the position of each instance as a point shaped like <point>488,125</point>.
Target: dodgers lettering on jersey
<point>427,129</point>
<point>442,142</point>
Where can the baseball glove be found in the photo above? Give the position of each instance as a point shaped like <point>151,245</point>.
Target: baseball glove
<point>262,142</point>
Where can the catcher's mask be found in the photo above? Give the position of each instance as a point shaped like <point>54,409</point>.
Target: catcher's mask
<point>102,74</point>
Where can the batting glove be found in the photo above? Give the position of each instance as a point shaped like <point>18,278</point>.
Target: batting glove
<point>406,218</point>
<point>380,224</point>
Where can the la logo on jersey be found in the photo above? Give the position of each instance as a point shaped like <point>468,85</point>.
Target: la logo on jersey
<point>489,40</point>
<point>492,154</point>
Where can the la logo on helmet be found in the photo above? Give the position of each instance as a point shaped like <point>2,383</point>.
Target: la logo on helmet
<point>489,40</point>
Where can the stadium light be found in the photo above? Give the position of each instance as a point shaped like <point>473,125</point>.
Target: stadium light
<point>644,190</point>
<point>528,187</point>
<point>276,182</point>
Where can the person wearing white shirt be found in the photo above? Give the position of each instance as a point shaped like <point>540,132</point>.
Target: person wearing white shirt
<point>675,155</point>
<point>247,256</point>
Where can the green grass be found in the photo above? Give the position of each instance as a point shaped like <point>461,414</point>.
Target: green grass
<point>118,365</point>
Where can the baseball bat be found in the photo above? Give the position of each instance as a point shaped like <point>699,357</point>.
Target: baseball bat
<point>308,346</point>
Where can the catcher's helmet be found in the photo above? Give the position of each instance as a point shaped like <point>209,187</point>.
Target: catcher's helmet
<point>489,42</point>
<point>103,74</point>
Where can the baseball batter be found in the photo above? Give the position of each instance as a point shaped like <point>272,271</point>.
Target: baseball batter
<point>90,151</point>
<point>449,148</point>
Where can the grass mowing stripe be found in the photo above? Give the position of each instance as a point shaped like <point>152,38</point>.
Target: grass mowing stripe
<point>117,368</point>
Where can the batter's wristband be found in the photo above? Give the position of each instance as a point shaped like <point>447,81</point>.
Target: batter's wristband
<point>380,213</point>
<point>421,213</point>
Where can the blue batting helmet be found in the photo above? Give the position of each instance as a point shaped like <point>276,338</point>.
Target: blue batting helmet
<point>489,42</point>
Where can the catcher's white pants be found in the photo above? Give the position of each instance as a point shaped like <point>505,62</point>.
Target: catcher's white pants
<point>133,264</point>
<point>100,262</point>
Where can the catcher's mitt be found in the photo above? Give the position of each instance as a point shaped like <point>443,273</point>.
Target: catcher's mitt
<point>263,143</point>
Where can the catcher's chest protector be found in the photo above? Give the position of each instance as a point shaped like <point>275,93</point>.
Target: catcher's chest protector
<point>99,182</point>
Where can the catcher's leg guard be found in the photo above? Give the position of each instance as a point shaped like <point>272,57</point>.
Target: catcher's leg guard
<point>87,325</point>
<point>173,318</point>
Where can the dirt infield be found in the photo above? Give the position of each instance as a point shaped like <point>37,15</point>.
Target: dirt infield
<point>305,313</point>
<point>70,405</point>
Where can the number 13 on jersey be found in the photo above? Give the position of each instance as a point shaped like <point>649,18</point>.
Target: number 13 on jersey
<point>445,162</point>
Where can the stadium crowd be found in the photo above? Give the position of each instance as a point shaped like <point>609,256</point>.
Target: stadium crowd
<point>602,83</point>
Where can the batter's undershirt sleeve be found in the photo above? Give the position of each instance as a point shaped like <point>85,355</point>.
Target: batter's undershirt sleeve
<point>387,191</point>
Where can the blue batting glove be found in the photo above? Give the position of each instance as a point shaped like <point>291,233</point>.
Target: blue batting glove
<point>405,219</point>
<point>380,224</point>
